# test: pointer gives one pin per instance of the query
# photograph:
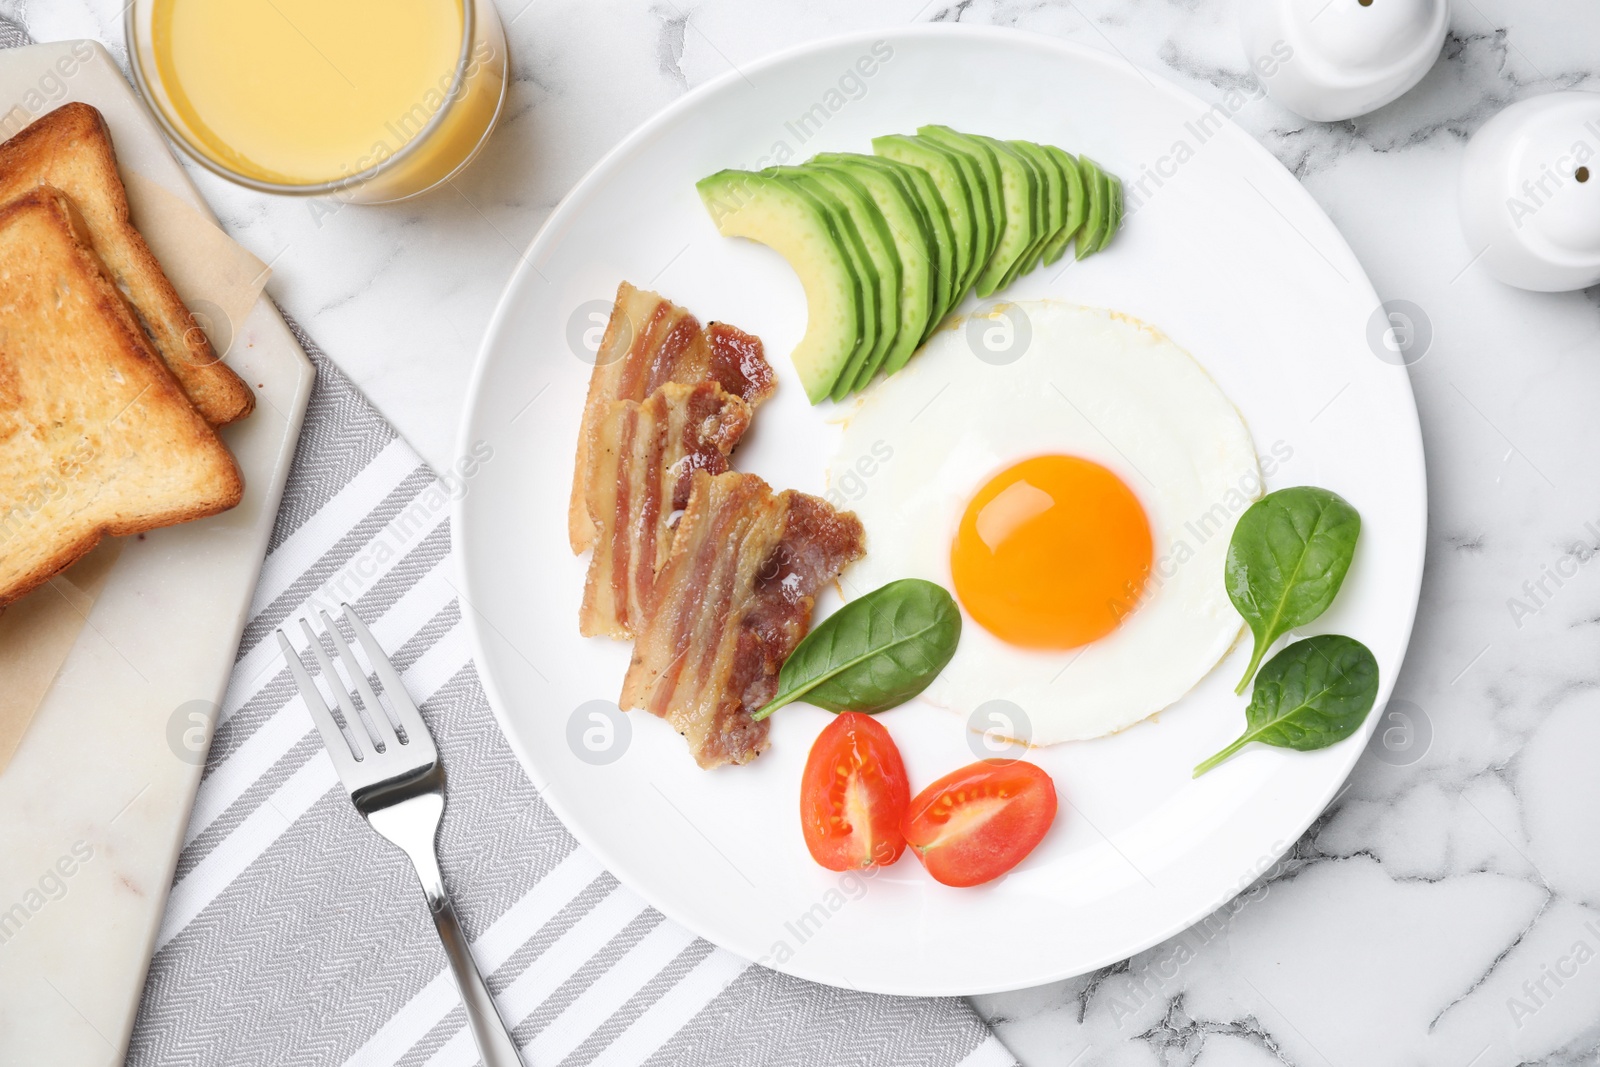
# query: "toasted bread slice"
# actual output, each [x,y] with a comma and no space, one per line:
[70,149]
[96,437]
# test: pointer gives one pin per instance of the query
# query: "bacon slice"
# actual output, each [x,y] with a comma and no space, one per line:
[646,453]
[733,600]
[650,341]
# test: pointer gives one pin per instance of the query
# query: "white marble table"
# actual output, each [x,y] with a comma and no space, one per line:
[1444,912]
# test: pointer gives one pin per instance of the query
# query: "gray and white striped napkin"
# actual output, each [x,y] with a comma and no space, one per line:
[294,935]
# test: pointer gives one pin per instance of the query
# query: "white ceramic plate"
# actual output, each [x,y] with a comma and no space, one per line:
[1226,252]
[112,759]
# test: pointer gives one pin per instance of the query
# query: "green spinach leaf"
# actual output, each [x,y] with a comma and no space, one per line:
[1287,559]
[876,652]
[1313,694]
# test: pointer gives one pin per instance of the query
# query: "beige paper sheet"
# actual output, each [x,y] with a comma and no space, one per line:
[38,631]
[220,282]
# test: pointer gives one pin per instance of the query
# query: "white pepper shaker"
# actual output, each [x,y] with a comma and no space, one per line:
[1334,59]
[1530,192]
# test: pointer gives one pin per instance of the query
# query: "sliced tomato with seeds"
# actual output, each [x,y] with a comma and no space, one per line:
[975,824]
[853,795]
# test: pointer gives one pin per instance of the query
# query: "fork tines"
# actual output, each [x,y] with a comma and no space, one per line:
[372,743]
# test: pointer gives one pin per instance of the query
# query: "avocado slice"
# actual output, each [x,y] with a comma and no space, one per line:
[1075,199]
[936,216]
[882,255]
[1099,195]
[1113,211]
[1053,204]
[861,262]
[955,178]
[877,293]
[799,227]
[1018,191]
[1108,224]
[913,244]
[982,168]
[934,208]
[1024,217]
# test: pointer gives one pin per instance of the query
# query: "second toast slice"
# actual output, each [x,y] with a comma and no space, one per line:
[70,149]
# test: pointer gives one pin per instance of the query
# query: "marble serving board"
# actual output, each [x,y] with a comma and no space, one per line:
[94,802]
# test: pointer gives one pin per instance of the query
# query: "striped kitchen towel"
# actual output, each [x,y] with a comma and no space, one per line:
[294,935]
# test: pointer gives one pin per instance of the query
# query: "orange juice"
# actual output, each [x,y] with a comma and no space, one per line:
[303,93]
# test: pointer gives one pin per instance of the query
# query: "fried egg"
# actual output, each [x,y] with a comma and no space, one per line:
[1073,477]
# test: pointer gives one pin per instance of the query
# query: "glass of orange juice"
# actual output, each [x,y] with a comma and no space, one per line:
[366,100]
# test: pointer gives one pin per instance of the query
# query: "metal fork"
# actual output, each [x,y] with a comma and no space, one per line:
[395,780]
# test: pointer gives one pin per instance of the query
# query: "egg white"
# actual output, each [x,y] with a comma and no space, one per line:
[1080,381]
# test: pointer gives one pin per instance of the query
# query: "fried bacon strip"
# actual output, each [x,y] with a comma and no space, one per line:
[733,600]
[650,341]
[642,465]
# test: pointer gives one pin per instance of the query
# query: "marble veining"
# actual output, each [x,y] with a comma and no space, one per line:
[1445,909]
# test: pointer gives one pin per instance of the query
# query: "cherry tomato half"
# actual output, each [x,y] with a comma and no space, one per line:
[979,822]
[853,795]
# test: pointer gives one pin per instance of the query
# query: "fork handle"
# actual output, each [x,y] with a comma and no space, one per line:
[488,1029]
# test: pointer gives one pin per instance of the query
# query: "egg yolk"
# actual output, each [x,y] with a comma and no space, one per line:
[1052,553]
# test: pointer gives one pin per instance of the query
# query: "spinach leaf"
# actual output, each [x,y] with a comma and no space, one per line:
[1287,559]
[1313,694]
[876,652]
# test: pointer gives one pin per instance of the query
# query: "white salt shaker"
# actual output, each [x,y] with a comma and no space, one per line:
[1530,203]
[1334,59]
